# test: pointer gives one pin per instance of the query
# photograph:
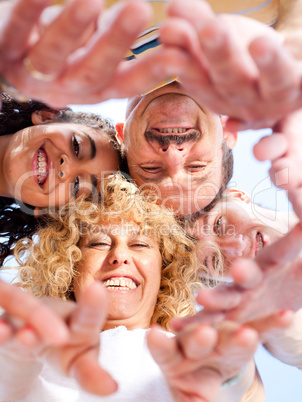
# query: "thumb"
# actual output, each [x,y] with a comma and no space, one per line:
[90,315]
[282,251]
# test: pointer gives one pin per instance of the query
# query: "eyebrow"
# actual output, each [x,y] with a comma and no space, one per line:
[94,182]
[92,146]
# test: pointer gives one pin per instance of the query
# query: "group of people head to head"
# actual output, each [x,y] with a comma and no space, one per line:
[142,209]
[170,144]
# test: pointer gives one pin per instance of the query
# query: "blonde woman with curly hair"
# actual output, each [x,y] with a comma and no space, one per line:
[134,248]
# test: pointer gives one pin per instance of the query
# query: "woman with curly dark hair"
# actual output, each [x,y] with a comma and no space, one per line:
[47,156]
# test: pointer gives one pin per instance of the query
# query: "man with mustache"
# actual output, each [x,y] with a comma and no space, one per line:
[177,146]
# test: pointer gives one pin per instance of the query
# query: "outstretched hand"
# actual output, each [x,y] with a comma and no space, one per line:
[38,322]
[241,68]
[266,285]
[199,359]
[78,58]
[63,332]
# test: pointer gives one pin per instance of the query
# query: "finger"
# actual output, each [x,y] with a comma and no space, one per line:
[271,147]
[123,24]
[229,65]
[234,125]
[63,36]
[90,315]
[24,15]
[246,273]
[139,76]
[5,332]
[197,340]
[282,251]
[91,376]
[279,78]
[295,197]
[237,341]
[207,384]
[32,311]
[204,316]
[222,297]
[164,350]
[274,322]
[176,32]
[284,174]
[27,337]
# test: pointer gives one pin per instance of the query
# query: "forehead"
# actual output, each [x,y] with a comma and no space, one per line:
[121,229]
[67,129]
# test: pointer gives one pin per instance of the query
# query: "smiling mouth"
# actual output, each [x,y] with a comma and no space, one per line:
[41,169]
[259,242]
[120,284]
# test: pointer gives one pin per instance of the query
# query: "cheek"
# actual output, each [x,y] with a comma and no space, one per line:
[87,271]
[107,162]
[60,195]
[156,266]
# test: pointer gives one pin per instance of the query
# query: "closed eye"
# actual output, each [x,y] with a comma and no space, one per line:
[98,244]
[195,168]
[140,245]
[151,169]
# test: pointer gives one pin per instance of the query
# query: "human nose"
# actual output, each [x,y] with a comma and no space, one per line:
[65,167]
[235,246]
[173,156]
[119,255]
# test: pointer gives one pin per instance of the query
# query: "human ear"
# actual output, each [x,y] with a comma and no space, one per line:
[43,116]
[234,193]
[119,132]
[229,136]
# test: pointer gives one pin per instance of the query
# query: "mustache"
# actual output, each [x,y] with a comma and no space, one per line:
[177,139]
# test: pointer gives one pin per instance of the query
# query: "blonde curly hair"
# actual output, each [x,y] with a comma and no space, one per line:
[48,263]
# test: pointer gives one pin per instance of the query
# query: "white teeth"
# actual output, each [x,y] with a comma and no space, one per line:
[122,284]
[41,165]
[176,130]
